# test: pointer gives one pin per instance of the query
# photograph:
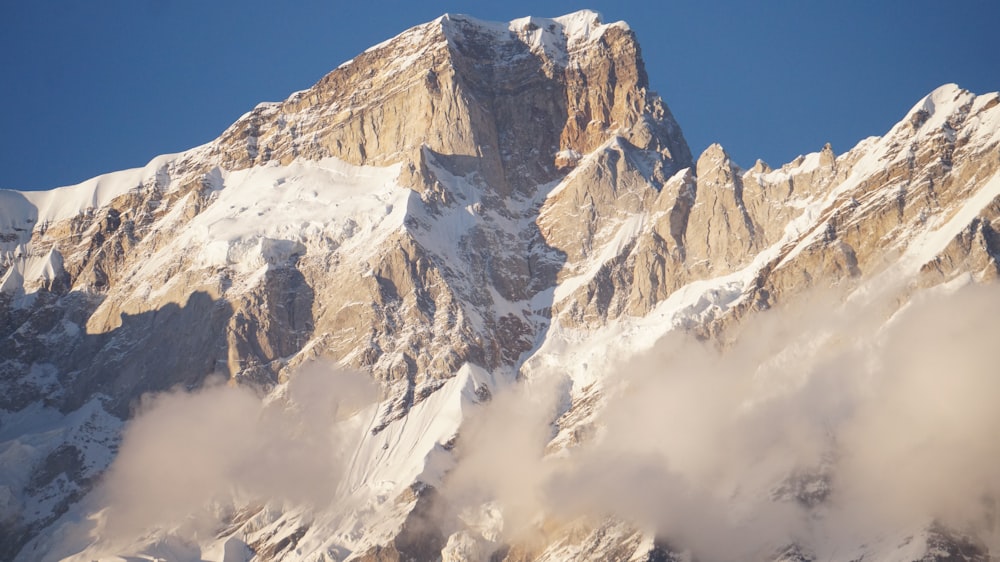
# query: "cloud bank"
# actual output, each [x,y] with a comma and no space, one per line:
[823,424]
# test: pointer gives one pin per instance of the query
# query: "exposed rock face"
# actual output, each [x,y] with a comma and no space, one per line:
[510,98]
[817,219]
[431,212]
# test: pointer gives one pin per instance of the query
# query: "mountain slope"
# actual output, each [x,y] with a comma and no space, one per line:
[464,210]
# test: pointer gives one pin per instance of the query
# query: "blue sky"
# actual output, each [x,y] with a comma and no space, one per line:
[92,87]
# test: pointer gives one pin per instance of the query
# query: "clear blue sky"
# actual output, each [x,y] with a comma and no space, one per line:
[91,87]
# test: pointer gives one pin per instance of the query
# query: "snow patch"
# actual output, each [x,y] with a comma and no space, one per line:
[930,243]
[28,436]
[938,106]
[624,234]
[29,273]
[312,207]
[67,202]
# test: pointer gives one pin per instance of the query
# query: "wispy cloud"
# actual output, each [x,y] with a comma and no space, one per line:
[188,456]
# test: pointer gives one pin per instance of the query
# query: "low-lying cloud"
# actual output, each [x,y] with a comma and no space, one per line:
[188,456]
[822,424]
[923,439]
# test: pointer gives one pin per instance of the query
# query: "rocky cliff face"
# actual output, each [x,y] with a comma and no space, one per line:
[459,208]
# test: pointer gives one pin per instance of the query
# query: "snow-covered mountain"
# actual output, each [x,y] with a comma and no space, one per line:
[575,342]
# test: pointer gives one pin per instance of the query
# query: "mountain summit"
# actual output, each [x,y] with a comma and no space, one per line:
[517,97]
[498,224]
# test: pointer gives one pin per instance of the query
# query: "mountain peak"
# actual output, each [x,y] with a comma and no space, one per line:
[512,95]
[713,156]
[551,38]
[578,25]
[933,110]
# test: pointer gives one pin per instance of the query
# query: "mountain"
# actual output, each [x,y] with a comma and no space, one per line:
[503,229]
